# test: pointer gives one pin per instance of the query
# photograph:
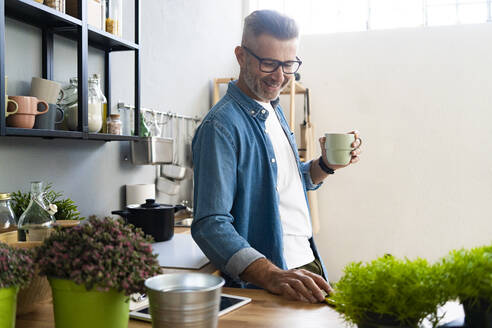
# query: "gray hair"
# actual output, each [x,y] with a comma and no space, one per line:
[269,22]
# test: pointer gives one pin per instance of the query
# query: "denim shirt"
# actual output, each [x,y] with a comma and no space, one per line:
[236,213]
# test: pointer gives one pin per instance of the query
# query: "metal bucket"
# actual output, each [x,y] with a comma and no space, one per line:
[184,300]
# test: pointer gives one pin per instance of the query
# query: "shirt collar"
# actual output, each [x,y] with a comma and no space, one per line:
[250,106]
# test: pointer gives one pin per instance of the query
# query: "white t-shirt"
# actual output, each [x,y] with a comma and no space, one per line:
[294,213]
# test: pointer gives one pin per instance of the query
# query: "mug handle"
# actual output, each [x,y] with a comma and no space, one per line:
[46,106]
[58,108]
[16,107]
[360,143]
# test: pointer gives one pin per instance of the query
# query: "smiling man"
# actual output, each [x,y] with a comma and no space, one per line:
[251,216]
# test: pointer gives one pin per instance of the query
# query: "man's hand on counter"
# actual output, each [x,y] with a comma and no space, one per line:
[293,284]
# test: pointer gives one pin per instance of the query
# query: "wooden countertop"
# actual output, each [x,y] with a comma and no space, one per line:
[265,310]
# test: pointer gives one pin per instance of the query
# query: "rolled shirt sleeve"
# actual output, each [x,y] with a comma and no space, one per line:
[306,174]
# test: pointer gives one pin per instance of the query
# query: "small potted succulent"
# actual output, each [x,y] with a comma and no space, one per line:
[93,268]
[16,270]
[389,292]
[470,280]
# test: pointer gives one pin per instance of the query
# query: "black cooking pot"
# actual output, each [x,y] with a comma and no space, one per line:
[154,219]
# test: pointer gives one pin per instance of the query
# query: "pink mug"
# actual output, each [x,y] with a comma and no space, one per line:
[26,112]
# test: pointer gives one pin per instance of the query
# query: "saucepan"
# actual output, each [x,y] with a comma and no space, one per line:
[154,219]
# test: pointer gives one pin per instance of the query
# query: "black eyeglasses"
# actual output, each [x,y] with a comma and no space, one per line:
[269,65]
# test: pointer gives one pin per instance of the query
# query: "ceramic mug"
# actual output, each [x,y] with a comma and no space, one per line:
[7,101]
[13,109]
[47,90]
[339,147]
[26,111]
[47,121]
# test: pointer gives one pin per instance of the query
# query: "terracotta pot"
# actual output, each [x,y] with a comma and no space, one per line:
[27,111]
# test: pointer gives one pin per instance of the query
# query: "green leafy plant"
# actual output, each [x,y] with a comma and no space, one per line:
[16,266]
[101,254]
[403,291]
[470,274]
[67,210]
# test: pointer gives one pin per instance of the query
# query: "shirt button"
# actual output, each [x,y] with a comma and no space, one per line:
[273,160]
[263,111]
[252,112]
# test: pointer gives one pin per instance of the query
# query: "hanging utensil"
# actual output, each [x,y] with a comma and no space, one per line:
[175,171]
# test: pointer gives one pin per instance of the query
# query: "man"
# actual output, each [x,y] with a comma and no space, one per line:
[250,205]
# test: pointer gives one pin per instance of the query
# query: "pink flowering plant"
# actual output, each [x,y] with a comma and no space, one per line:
[101,254]
[16,266]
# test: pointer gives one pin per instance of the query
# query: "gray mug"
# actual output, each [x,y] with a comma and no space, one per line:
[47,121]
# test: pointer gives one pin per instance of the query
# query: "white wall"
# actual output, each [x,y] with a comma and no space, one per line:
[421,100]
[184,45]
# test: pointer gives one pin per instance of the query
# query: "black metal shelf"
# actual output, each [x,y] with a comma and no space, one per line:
[33,13]
[51,22]
[110,137]
[50,134]
[36,14]
[18,132]
[107,41]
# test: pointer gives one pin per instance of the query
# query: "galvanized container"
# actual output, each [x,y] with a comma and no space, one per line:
[152,151]
[186,300]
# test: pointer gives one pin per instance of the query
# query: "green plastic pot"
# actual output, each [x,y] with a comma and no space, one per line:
[8,302]
[76,307]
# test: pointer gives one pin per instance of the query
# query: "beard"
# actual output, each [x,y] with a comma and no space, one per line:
[261,86]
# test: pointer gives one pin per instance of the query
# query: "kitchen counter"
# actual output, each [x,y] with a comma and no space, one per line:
[265,310]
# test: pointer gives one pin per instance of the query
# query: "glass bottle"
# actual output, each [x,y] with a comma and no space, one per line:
[7,216]
[36,220]
[96,104]
[114,24]
[115,125]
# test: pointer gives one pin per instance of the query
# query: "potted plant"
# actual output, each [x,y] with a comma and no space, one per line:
[16,269]
[389,292]
[66,208]
[470,280]
[93,268]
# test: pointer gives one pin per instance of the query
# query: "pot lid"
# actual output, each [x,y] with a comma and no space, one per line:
[149,204]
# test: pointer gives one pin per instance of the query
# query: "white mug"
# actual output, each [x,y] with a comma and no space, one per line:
[47,90]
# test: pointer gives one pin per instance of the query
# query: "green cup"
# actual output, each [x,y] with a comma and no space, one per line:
[339,147]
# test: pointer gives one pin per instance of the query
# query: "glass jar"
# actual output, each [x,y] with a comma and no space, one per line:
[37,219]
[69,104]
[114,21]
[70,94]
[56,4]
[7,216]
[115,125]
[96,104]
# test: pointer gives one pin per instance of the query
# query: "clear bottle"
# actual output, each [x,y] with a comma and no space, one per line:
[115,125]
[114,22]
[96,104]
[37,219]
[7,216]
